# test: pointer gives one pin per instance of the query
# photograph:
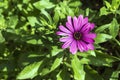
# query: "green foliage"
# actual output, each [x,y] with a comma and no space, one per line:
[30,48]
[29,71]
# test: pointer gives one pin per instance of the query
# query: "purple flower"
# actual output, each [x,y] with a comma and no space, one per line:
[77,35]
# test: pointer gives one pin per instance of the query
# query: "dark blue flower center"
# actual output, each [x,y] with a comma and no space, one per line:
[77,35]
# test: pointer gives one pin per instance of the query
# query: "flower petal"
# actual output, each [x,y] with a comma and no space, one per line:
[85,21]
[92,25]
[67,43]
[80,21]
[90,46]
[75,22]
[90,35]
[62,28]
[62,33]
[86,28]
[87,40]
[82,46]
[64,39]
[69,26]
[73,47]
[69,18]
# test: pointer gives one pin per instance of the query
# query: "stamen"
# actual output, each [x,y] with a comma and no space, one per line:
[77,35]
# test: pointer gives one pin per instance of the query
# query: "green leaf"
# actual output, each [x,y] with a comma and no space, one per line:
[115,75]
[29,71]
[12,22]
[32,41]
[102,38]
[78,69]
[75,4]
[63,74]
[108,5]
[47,15]
[55,50]
[43,4]
[32,20]
[56,17]
[114,28]
[57,62]
[102,28]
[104,11]
[115,4]
[2,22]
[2,39]
[91,74]
[102,59]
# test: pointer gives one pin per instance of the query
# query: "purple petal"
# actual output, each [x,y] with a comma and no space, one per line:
[90,46]
[90,35]
[80,21]
[67,43]
[62,28]
[69,18]
[73,47]
[85,21]
[69,26]
[64,39]
[88,40]
[92,25]
[82,46]
[86,28]
[62,33]
[75,22]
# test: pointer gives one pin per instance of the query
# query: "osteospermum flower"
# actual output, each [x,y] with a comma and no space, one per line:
[77,35]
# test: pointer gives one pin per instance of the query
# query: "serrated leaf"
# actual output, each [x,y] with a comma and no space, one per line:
[102,38]
[114,28]
[29,71]
[43,4]
[78,69]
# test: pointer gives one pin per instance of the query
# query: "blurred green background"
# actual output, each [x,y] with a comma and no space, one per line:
[30,48]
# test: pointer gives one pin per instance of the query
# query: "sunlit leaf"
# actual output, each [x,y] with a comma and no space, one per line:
[43,4]
[78,69]
[57,62]
[102,38]
[102,28]
[29,71]
[32,20]
[114,28]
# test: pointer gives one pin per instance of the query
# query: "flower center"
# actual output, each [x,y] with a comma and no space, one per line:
[77,35]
